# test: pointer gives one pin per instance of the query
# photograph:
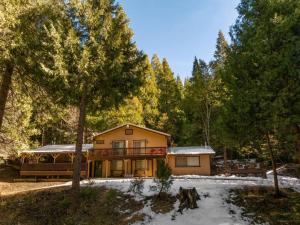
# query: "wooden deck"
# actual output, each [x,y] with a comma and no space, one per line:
[50,169]
[250,171]
[127,153]
[247,169]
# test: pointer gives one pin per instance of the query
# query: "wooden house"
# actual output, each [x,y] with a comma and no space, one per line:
[128,150]
[124,151]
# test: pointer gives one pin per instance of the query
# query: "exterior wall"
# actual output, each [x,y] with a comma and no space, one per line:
[203,169]
[152,139]
[129,168]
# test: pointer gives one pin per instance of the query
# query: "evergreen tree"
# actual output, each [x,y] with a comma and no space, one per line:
[199,100]
[262,77]
[149,95]
[163,178]
[170,98]
[93,61]
[220,52]
[22,34]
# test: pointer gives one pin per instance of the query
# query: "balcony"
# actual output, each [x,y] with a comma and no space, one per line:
[147,152]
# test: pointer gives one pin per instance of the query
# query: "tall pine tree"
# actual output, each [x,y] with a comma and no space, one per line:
[93,61]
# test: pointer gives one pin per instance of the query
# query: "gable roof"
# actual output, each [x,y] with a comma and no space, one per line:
[191,150]
[133,125]
[58,149]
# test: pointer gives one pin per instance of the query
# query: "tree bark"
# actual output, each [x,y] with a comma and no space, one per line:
[274,167]
[188,198]
[5,86]
[79,142]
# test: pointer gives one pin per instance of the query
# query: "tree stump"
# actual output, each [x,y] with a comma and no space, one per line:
[188,198]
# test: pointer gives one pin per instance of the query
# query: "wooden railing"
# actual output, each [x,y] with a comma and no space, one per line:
[50,167]
[128,152]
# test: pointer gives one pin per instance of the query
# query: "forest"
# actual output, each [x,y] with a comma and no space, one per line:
[70,70]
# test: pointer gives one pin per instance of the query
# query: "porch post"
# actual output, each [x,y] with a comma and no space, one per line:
[125,167]
[145,167]
[54,156]
[106,168]
[88,169]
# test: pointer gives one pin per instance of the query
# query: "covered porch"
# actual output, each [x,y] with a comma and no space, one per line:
[105,168]
[52,161]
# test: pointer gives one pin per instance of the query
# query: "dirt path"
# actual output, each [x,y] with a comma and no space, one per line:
[7,188]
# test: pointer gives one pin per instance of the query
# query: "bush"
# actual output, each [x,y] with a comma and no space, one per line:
[137,186]
[88,193]
[163,179]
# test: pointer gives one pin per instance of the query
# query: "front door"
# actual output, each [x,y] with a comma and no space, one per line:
[98,169]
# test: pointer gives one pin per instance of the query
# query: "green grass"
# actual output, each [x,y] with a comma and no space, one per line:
[260,204]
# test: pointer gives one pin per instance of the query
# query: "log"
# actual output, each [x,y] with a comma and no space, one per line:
[188,198]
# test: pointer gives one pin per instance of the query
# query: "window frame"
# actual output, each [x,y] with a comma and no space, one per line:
[124,144]
[128,131]
[141,140]
[179,166]
[116,161]
[147,164]
[99,142]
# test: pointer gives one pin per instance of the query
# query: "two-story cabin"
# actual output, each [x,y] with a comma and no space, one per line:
[124,151]
[127,150]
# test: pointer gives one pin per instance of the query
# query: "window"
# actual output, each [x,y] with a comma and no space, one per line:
[118,144]
[117,165]
[128,131]
[140,164]
[139,144]
[99,141]
[187,161]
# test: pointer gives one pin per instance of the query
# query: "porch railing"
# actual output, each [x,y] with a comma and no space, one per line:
[50,167]
[112,152]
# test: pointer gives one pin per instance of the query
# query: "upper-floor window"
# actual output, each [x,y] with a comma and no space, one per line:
[118,144]
[139,146]
[139,143]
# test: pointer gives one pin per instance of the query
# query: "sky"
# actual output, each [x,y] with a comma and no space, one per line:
[179,30]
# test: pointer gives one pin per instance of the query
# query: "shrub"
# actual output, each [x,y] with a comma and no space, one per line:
[111,195]
[137,186]
[163,179]
[88,193]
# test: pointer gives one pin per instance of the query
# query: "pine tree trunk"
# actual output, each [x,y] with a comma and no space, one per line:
[276,186]
[79,142]
[5,86]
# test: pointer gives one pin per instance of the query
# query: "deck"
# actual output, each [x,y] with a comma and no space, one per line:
[127,153]
[50,169]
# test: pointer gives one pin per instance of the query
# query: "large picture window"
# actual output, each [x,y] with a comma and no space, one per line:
[117,165]
[187,161]
[141,164]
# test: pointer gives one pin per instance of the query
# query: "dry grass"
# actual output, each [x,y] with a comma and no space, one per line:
[57,206]
[9,187]
[260,204]
[164,204]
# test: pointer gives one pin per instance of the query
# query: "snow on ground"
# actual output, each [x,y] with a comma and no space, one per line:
[213,210]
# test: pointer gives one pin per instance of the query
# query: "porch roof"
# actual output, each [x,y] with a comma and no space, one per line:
[58,149]
[191,150]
